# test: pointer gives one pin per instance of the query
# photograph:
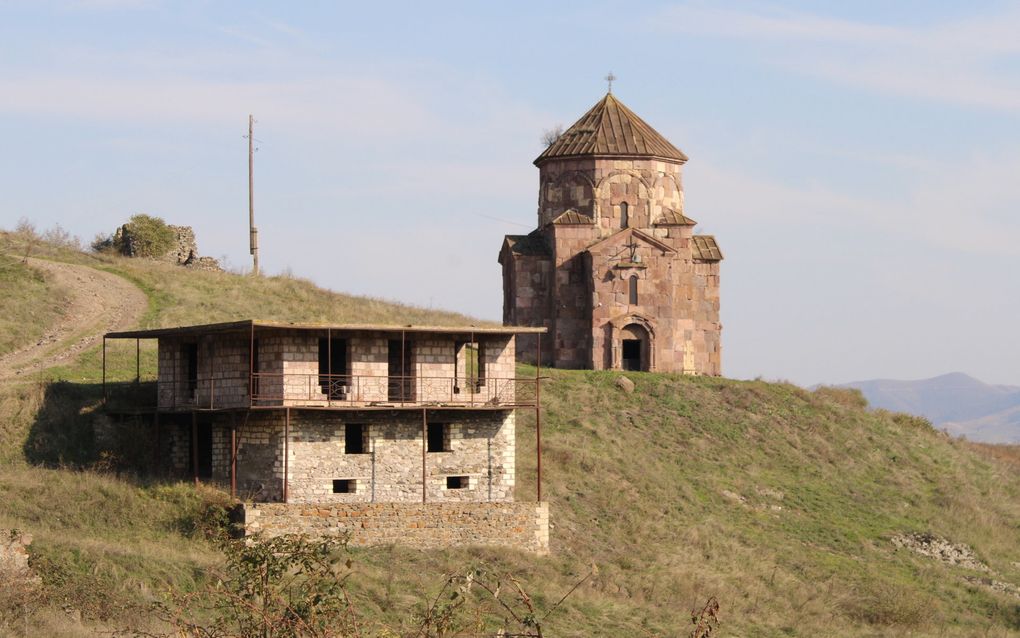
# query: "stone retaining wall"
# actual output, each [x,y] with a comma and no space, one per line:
[522,526]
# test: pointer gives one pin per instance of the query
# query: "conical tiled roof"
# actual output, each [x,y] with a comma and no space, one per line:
[610,128]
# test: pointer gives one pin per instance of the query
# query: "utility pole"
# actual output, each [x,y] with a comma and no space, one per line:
[253,233]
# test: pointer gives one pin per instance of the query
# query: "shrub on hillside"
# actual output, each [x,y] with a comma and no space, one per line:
[102,243]
[847,397]
[144,236]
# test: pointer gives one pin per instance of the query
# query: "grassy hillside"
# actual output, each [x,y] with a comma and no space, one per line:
[30,303]
[781,503]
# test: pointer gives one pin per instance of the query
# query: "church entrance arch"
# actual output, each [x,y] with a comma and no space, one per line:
[635,348]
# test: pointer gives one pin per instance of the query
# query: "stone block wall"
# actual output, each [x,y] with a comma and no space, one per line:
[522,526]
[479,446]
[587,305]
[289,368]
[222,372]
[527,280]
[597,186]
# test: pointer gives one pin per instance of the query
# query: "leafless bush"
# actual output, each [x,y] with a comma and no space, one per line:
[60,238]
[705,621]
[455,611]
[26,235]
[550,136]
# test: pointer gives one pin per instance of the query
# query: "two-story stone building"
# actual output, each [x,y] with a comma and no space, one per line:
[339,423]
[614,269]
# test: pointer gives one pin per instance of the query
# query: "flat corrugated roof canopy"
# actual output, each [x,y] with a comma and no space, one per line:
[250,324]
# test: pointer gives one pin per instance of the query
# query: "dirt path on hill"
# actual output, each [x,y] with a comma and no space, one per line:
[95,302]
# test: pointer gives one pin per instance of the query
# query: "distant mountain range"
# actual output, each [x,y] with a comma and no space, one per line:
[955,402]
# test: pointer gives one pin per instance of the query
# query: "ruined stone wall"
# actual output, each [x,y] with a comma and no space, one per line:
[183,252]
[14,568]
[522,526]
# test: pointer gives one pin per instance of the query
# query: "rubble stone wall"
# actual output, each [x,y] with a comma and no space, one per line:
[523,526]
[14,557]
[478,446]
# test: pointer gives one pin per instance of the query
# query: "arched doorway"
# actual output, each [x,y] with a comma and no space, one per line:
[634,348]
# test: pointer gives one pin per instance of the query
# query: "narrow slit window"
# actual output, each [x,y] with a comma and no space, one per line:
[345,486]
[190,355]
[457,482]
[438,440]
[632,285]
[624,215]
[354,438]
[255,367]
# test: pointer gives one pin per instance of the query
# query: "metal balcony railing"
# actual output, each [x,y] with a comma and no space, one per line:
[323,391]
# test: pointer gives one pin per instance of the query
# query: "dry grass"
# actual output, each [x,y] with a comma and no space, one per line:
[30,304]
[777,501]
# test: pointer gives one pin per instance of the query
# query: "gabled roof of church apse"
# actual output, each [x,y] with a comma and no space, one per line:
[610,128]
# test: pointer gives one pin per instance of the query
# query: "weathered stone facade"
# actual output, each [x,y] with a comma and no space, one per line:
[614,270]
[523,526]
[212,371]
[478,446]
[333,421]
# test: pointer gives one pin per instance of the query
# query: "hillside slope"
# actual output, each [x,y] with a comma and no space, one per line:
[781,503]
[91,302]
[31,302]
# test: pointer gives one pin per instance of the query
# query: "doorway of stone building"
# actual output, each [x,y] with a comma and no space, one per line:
[401,371]
[634,348]
[203,451]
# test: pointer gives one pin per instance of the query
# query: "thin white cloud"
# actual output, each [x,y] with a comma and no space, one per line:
[967,215]
[957,62]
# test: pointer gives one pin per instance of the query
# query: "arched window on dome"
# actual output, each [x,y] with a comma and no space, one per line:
[624,215]
[632,284]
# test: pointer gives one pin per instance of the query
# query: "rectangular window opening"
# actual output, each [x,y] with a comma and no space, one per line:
[400,367]
[469,362]
[354,438]
[333,367]
[457,482]
[190,355]
[439,436]
[345,486]
[255,367]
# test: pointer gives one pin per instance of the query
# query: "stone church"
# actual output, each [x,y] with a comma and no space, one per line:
[614,269]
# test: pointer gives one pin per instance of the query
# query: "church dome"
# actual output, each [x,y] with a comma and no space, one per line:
[612,129]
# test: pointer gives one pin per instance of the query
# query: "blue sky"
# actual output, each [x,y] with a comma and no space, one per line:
[858,162]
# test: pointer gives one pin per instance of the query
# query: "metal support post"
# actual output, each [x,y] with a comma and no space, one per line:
[424,448]
[286,452]
[538,419]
